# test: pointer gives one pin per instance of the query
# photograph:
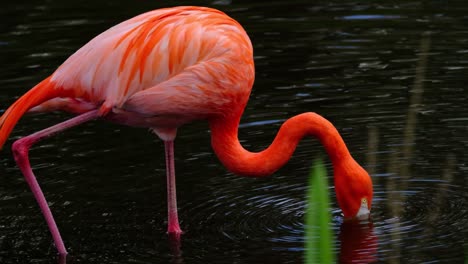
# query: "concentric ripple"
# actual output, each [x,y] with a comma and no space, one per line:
[402,223]
[237,217]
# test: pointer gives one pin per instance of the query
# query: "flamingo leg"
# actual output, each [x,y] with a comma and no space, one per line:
[21,153]
[173,227]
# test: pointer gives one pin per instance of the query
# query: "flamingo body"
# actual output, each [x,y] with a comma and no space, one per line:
[164,63]
[165,68]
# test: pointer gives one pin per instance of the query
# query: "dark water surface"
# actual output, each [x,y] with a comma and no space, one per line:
[392,77]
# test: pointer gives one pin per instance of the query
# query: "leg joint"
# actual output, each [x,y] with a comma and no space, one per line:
[20,147]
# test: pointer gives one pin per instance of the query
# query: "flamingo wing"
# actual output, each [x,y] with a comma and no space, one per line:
[176,59]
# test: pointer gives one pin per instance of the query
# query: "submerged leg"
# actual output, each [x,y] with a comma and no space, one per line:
[20,152]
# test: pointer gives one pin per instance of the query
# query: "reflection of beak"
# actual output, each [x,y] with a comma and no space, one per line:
[364,211]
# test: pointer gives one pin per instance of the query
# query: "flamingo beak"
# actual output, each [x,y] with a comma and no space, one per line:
[364,211]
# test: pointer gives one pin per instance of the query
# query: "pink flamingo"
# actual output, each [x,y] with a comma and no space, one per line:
[163,69]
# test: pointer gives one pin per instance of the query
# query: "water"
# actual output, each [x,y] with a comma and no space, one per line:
[358,64]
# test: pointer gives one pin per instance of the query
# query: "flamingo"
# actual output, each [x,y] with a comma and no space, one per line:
[163,69]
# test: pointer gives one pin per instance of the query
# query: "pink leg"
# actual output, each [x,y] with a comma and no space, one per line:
[173,227]
[20,152]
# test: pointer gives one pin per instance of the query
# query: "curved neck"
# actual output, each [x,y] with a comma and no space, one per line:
[238,160]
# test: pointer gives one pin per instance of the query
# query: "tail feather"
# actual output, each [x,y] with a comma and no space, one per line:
[37,95]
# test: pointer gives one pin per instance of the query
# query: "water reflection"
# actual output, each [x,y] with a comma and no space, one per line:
[371,17]
[175,245]
[358,242]
[62,259]
[402,166]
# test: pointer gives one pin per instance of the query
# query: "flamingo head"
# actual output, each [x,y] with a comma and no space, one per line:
[353,187]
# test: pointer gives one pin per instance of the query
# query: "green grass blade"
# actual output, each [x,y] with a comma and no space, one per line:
[318,241]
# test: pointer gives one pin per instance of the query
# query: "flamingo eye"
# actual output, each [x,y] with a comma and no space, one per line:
[364,201]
